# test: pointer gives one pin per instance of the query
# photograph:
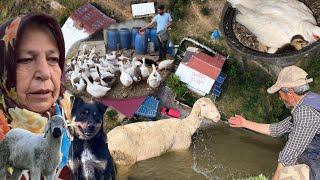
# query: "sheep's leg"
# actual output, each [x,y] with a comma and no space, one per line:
[35,174]
[26,175]
[50,176]
[58,174]
[16,175]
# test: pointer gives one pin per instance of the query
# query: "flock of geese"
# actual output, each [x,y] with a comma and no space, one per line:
[97,75]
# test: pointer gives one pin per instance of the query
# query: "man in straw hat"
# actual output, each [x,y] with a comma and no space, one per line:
[303,125]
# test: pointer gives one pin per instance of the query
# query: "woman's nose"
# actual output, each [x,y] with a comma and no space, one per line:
[42,68]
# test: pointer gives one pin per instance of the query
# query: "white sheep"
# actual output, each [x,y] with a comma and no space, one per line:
[39,153]
[143,140]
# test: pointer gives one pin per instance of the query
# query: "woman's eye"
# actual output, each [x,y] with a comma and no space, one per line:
[53,59]
[25,60]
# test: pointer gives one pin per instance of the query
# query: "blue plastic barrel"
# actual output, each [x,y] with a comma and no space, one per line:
[169,48]
[113,39]
[153,38]
[141,44]
[147,33]
[125,42]
[134,32]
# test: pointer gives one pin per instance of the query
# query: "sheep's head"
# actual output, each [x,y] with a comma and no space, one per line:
[207,109]
[55,126]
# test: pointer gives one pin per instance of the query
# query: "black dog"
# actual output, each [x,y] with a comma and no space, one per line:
[89,156]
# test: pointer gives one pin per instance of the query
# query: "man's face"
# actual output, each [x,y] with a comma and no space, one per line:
[286,98]
[160,11]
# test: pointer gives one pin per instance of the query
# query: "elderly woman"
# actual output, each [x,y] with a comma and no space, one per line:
[31,68]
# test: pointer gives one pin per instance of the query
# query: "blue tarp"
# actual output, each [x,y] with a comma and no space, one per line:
[148,108]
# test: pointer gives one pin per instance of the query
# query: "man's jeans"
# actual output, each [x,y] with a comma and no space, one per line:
[162,49]
[311,157]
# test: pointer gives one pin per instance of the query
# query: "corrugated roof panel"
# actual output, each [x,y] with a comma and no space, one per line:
[91,18]
[216,61]
[204,67]
[187,56]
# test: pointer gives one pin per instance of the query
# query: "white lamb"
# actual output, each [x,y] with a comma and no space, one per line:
[143,140]
[38,153]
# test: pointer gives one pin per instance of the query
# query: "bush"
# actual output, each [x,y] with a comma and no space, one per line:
[179,88]
[63,18]
[176,8]
[112,115]
[204,11]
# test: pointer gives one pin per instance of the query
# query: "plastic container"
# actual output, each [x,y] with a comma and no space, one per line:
[169,48]
[125,42]
[141,44]
[134,32]
[147,33]
[163,35]
[151,47]
[112,39]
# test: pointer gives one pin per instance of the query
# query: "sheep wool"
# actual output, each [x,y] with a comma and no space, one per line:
[143,140]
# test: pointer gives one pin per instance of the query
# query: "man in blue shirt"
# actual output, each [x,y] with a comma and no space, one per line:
[164,21]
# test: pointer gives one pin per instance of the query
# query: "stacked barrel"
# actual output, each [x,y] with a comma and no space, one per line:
[124,39]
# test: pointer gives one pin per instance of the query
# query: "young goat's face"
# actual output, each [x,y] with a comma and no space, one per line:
[88,118]
[55,126]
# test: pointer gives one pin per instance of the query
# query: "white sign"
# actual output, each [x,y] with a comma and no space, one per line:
[143,9]
[194,78]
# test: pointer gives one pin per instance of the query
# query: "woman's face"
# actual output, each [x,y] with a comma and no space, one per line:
[38,72]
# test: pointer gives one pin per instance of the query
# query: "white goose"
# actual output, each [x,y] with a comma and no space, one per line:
[93,51]
[95,90]
[84,48]
[75,75]
[275,22]
[80,86]
[111,56]
[163,65]
[154,79]
[130,70]
[144,70]
[125,78]
[94,74]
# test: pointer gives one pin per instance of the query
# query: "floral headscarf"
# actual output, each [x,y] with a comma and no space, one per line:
[11,114]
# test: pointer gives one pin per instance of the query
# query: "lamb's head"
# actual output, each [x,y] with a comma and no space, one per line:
[206,108]
[55,126]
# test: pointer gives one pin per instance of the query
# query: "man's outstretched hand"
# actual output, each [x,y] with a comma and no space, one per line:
[237,121]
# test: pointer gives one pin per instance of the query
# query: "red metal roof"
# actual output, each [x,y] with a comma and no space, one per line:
[126,106]
[207,65]
[204,68]
[90,18]
[216,61]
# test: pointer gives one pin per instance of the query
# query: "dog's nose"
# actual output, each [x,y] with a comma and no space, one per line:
[56,132]
[91,127]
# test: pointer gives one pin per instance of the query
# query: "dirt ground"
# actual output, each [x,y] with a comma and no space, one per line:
[250,41]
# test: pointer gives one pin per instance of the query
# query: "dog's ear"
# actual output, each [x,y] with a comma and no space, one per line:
[101,107]
[76,102]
